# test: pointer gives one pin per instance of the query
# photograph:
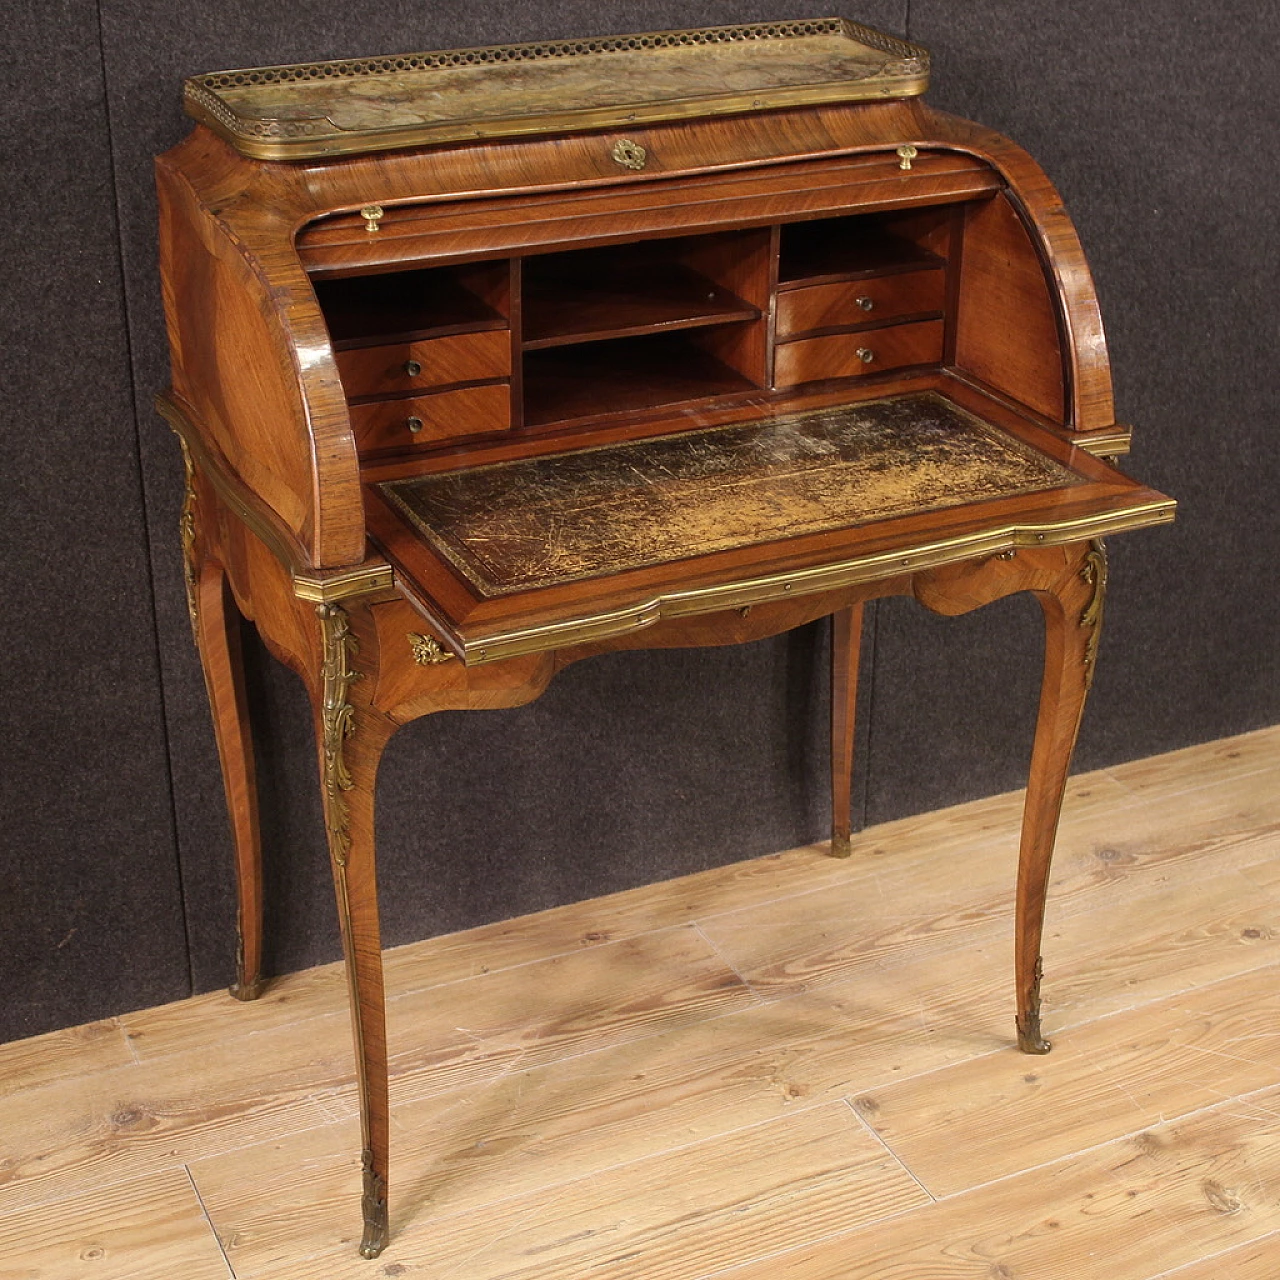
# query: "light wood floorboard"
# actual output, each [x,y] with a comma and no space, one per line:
[793,1067]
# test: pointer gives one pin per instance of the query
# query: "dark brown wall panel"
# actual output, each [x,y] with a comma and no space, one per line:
[90,909]
[1154,130]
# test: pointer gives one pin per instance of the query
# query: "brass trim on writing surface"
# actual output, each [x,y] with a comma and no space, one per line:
[256,110]
[824,577]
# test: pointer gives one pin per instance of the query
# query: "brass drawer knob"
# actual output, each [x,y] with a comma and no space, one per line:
[412,368]
[865,354]
[414,424]
[864,302]
[372,214]
[906,154]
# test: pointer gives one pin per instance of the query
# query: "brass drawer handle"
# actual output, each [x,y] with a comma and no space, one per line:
[864,302]
[414,424]
[372,215]
[412,368]
[865,354]
[906,154]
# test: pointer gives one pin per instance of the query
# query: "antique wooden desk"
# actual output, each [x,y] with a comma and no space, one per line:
[486,361]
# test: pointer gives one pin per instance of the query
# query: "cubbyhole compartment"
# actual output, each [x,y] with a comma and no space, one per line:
[591,295]
[858,245]
[407,305]
[621,375]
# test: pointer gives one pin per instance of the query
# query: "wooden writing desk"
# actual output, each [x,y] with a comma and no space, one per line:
[487,361]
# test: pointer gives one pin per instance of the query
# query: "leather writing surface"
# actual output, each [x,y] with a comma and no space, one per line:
[542,521]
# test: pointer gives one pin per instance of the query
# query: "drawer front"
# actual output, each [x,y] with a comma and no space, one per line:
[822,306]
[843,355]
[430,362]
[446,415]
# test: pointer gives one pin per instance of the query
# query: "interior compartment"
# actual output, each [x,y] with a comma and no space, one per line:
[618,375]
[594,294]
[862,244]
[429,302]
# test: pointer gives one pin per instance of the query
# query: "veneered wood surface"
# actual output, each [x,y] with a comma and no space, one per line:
[281,421]
[838,305]
[843,355]
[1007,323]
[463,357]
[462,412]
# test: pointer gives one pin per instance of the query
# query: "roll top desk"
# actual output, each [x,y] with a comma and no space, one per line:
[486,361]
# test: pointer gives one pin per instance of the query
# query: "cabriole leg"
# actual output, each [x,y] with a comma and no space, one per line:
[217,624]
[846,642]
[351,737]
[1073,620]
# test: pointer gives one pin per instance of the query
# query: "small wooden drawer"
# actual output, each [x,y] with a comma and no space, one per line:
[842,355]
[446,415]
[429,362]
[865,301]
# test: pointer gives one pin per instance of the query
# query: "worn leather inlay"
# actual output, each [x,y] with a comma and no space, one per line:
[538,522]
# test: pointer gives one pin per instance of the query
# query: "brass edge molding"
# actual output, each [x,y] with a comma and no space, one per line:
[338,721]
[427,650]
[313,585]
[342,584]
[228,486]
[1094,572]
[905,73]
[187,534]
[1110,444]
[783,586]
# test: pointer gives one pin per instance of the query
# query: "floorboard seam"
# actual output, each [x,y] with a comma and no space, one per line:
[204,1213]
[906,1168]
[733,968]
[1209,1257]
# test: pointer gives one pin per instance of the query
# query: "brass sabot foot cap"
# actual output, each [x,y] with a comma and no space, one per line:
[375,1234]
[1031,1041]
[247,990]
[841,846]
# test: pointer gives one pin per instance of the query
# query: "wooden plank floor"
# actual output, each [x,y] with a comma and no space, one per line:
[794,1068]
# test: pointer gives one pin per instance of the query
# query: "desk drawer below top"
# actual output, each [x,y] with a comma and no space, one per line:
[420,420]
[844,355]
[866,301]
[428,362]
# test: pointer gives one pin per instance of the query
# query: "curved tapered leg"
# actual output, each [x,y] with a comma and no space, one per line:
[351,737]
[846,643]
[1073,620]
[217,625]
